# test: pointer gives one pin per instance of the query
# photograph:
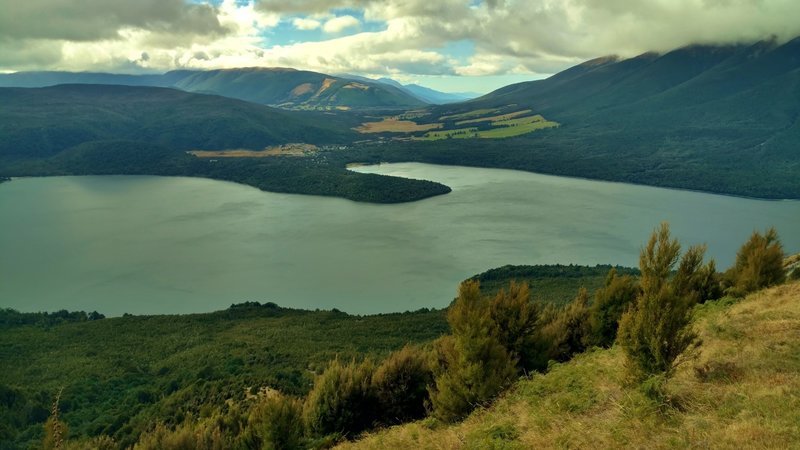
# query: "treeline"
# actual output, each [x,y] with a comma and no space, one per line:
[552,283]
[10,317]
[493,341]
[122,374]
[307,175]
[578,152]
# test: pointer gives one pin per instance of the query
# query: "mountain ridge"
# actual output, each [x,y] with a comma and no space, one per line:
[273,86]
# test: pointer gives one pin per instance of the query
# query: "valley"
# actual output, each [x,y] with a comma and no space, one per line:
[702,127]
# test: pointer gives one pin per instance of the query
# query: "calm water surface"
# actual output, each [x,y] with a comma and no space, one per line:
[177,245]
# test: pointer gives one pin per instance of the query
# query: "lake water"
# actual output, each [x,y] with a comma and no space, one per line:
[142,244]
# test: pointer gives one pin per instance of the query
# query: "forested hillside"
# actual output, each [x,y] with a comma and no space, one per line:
[121,375]
[714,118]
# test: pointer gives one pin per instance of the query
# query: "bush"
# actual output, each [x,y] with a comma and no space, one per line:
[694,279]
[609,303]
[515,320]
[759,264]
[203,435]
[567,331]
[475,366]
[401,386]
[342,400]
[656,330]
[276,422]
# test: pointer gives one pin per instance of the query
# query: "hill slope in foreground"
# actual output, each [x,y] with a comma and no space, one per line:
[739,389]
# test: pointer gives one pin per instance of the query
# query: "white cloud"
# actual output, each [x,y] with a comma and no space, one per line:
[306,24]
[338,24]
[508,36]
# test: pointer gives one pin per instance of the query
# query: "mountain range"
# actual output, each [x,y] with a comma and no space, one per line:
[281,87]
[423,93]
[714,118]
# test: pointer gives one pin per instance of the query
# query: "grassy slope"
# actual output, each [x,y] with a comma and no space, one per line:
[741,389]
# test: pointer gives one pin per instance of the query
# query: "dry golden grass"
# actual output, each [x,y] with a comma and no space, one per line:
[326,83]
[395,125]
[302,89]
[739,389]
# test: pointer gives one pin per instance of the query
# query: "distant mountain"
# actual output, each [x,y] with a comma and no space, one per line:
[429,95]
[42,122]
[285,88]
[437,97]
[422,93]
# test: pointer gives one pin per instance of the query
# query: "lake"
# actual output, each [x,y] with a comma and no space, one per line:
[152,245]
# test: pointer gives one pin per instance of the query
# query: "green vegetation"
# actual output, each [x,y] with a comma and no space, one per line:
[716,119]
[610,302]
[656,330]
[212,389]
[506,116]
[475,365]
[458,133]
[488,127]
[740,390]
[500,129]
[122,375]
[470,114]
[555,283]
[105,130]
[343,400]
[727,393]
[759,264]
[516,127]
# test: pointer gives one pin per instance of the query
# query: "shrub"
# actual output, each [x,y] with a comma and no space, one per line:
[567,331]
[609,303]
[759,264]
[204,435]
[475,366]
[342,400]
[515,320]
[656,330]
[401,385]
[276,422]
[694,279]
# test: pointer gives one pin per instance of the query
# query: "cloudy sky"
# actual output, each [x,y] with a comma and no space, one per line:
[451,45]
